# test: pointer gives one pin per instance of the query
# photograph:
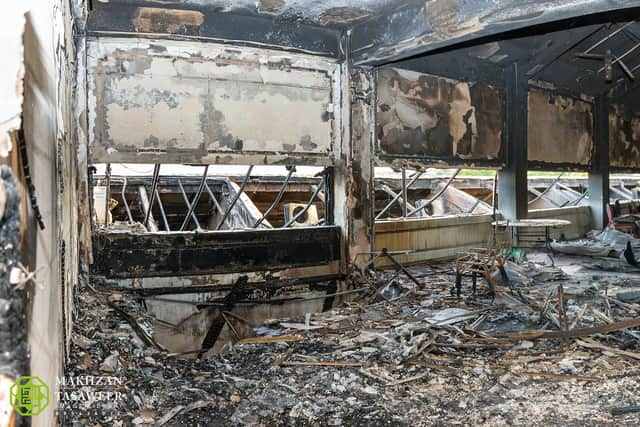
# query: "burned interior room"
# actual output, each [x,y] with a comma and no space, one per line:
[297,212]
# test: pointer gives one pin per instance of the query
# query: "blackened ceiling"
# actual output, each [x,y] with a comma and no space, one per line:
[569,60]
[381,31]
[331,13]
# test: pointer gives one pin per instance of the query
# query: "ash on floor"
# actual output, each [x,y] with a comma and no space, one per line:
[401,355]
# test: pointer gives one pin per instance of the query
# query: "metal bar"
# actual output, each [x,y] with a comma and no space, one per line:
[186,201]
[107,195]
[154,186]
[627,71]
[389,191]
[579,199]
[417,175]
[569,189]
[624,190]
[475,205]
[619,58]
[404,192]
[306,208]
[440,193]
[400,267]
[196,198]
[539,196]
[162,212]
[548,59]
[146,207]
[620,193]
[124,200]
[278,198]
[609,36]
[213,198]
[546,190]
[235,199]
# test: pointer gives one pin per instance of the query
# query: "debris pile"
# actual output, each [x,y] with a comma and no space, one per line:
[558,345]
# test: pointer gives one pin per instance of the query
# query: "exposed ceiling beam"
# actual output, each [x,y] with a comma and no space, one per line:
[436,24]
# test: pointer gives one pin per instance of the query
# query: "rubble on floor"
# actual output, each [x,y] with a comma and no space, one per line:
[560,346]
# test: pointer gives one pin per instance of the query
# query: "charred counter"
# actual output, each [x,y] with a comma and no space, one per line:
[129,254]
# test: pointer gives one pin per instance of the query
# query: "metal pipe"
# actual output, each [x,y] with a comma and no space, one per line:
[475,205]
[404,192]
[154,186]
[107,195]
[162,212]
[306,208]
[186,201]
[124,200]
[417,175]
[438,194]
[546,190]
[196,198]
[235,199]
[278,198]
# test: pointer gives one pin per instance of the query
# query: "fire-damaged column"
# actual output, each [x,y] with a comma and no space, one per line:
[599,174]
[361,218]
[354,170]
[512,188]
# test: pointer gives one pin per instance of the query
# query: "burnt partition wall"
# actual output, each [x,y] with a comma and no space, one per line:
[163,101]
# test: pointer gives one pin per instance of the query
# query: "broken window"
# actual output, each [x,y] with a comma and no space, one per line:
[173,198]
[402,194]
[557,189]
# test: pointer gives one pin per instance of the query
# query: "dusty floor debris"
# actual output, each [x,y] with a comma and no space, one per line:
[402,355]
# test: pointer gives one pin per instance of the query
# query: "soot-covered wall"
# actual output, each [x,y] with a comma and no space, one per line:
[171,101]
[437,120]
[560,130]
[624,139]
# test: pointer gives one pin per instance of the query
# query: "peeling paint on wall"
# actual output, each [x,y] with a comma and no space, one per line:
[193,102]
[560,129]
[430,117]
[624,139]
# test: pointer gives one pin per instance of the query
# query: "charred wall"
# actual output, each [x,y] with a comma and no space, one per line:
[560,130]
[624,139]
[190,102]
[433,119]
